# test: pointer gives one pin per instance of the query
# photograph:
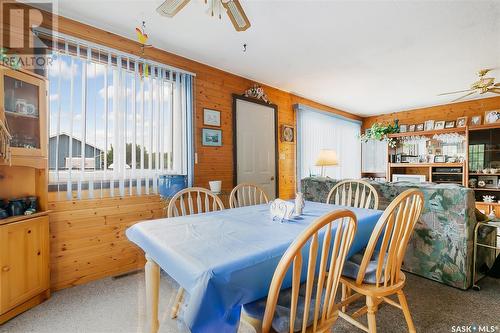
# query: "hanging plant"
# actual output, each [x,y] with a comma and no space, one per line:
[380,132]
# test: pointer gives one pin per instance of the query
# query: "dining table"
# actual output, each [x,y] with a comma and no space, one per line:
[225,259]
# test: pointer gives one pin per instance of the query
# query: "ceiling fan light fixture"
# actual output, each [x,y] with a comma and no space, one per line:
[171,7]
[236,15]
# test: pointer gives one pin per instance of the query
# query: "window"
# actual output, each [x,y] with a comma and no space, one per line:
[318,130]
[116,122]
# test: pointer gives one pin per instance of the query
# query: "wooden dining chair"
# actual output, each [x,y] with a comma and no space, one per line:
[192,200]
[353,193]
[246,194]
[314,308]
[377,274]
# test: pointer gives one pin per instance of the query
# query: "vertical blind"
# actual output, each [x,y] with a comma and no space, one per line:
[116,122]
[318,130]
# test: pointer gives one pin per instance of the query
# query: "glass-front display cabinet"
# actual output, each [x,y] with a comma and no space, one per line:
[484,164]
[23,110]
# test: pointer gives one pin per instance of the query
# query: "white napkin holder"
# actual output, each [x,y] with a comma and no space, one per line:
[282,210]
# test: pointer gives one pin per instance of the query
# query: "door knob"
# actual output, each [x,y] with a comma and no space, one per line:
[272,178]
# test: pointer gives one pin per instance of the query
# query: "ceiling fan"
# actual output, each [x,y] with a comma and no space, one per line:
[233,9]
[482,86]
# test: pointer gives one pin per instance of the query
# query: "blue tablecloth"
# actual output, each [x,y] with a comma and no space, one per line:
[227,258]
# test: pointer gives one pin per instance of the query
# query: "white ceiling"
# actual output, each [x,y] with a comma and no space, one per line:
[365,57]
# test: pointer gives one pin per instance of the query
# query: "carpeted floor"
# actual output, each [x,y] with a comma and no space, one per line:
[117,305]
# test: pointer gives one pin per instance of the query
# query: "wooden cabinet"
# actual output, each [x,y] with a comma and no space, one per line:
[24,262]
[23,99]
[24,240]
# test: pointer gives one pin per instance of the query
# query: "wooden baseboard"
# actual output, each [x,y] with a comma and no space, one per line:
[32,302]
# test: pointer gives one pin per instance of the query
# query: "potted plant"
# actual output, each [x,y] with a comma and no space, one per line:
[380,132]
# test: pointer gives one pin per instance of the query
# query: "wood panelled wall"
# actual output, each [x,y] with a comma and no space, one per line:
[87,236]
[213,89]
[439,112]
[88,241]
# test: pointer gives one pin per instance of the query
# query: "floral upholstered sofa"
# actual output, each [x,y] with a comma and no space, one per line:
[441,248]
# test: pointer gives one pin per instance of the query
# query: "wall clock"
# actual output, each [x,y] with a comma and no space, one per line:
[287,133]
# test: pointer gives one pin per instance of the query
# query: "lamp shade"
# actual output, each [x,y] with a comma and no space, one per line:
[327,157]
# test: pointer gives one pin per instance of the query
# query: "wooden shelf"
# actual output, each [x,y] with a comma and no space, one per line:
[424,165]
[20,115]
[486,189]
[484,127]
[448,173]
[19,218]
[483,174]
[488,203]
[424,133]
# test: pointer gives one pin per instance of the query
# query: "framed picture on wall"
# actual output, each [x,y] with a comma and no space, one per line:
[287,133]
[211,137]
[211,117]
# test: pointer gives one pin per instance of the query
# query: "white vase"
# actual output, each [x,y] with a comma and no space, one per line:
[299,203]
[215,186]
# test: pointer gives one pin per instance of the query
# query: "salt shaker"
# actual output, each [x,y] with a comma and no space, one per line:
[299,203]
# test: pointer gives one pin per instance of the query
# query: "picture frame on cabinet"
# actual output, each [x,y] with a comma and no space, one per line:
[429,125]
[439,125]
[475,121]
[462,121]
[420,127]
[403,128]
[492,117]
[411,128]
[449,124]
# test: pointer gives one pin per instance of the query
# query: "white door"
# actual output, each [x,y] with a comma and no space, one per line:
[255,145]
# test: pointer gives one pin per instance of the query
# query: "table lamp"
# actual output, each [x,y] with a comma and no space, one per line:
[325,158]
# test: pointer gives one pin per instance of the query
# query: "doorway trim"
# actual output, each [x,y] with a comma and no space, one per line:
[237,97]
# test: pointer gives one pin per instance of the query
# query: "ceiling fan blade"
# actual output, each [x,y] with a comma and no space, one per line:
[457,99]
[171,7]
[496,85]
[455,92]
[236,14]
[494,90]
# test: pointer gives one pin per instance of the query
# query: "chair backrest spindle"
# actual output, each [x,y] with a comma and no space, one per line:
[353,193]
[192,197]
[246,194]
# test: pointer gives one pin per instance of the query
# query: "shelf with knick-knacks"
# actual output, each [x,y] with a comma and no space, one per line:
[437,155]
[23,111]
